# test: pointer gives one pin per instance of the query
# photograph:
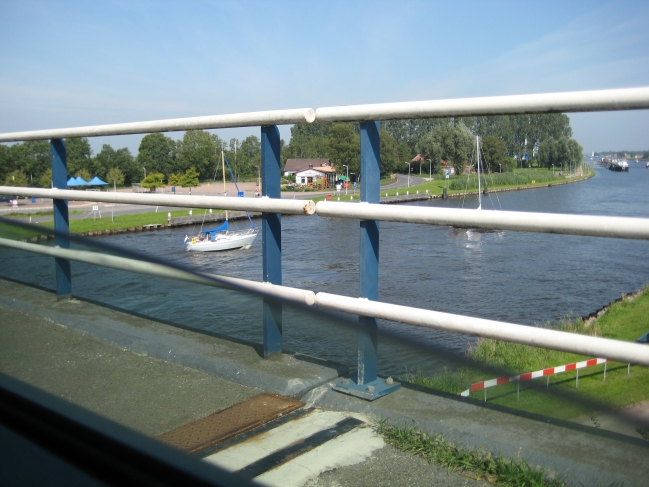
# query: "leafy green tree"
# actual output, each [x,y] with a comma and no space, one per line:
[309,140]
[576,151]
[430,146]
[547,155]
[83,173]
[495,154]
[45,181]
[79,155]
[153,181]
[190,179]
[174,179]
[344,147]
[32,158]
[455,143]
[389,154]
[156,154]
[201,150]
[115,176]
[250,156]
[7,163]
[16,178]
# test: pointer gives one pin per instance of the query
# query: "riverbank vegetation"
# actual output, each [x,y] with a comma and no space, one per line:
[509,142]
[99,224]
[625,320]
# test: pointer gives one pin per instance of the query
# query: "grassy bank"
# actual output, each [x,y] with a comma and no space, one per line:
[624,320]
[107,223]
[531,178]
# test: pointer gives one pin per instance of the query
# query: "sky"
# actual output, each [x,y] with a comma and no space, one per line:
[78,63]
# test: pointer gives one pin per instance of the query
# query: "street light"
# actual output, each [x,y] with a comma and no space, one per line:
[501,168]
[144,171]
[430,169]
[346,182]
[408,173]
[553,169]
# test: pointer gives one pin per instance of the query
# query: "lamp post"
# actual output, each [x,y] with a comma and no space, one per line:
[144,171]
[258,178]
[408,173]
[430,169]
[501,168]
[420,166]
[553,169]
[346,182]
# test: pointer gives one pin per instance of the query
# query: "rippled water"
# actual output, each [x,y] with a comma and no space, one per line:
[516,277]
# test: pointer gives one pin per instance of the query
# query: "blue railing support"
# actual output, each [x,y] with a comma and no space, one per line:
[271,234]
[61,217]
[366,384]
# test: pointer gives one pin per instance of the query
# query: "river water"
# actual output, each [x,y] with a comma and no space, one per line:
[516,277]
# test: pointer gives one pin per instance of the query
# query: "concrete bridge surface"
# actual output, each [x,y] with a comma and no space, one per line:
[275,421]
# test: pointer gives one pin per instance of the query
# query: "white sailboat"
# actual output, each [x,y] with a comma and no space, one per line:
[221,237]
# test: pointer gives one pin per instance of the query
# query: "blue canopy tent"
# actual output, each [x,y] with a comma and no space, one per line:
[96,182]
[79,181]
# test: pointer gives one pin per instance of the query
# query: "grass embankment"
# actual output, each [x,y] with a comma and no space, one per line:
[624,320]
[482,464]
[536,177]
[107,223]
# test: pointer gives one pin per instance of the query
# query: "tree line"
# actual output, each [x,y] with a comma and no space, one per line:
[545,136]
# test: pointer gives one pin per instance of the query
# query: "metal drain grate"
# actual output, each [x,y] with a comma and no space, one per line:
[225,424]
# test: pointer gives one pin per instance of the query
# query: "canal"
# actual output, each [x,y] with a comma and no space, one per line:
[522,278]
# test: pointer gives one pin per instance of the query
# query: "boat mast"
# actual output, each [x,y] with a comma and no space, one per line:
[477,147]
[223,170]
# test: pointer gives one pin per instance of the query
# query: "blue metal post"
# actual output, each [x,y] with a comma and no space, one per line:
[61,219]
[271,237]
[367,385]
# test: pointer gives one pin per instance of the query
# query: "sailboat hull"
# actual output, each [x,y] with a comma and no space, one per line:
[224,241]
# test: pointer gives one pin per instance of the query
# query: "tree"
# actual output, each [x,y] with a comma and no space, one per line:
[190,179]
[389,154]
[45,181]
[344,147]
[32,158]
[429,147]
[79,155]
[83,173]
[174,179]
[250,156]
[153,181]
[495,154]
[16,178]
[199,149]
[308,140]
[156,154]
[452,142]
[547,156]
[115,176]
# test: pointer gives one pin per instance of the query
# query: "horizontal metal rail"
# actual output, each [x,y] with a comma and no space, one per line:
[577,101]
[597,226]
[251,119]
[299,296]
[509,332]
[498,330]
[268,205]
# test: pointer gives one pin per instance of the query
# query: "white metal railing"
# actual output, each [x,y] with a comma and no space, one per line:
[598,226]
[299,296]
[526,335]
[578,101]
[584,101]
[252,119]
[272,205]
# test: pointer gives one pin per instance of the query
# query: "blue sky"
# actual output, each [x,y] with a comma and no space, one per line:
[74,63]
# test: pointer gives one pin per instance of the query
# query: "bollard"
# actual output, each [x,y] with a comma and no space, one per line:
[444,193]
[577,381]
[169,217]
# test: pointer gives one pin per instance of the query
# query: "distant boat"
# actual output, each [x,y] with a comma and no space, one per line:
[221,238]
[619,166]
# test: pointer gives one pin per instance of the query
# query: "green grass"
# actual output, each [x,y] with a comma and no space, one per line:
[39,213]
[519,178]
[624,321]
[122,221]
[483,465]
